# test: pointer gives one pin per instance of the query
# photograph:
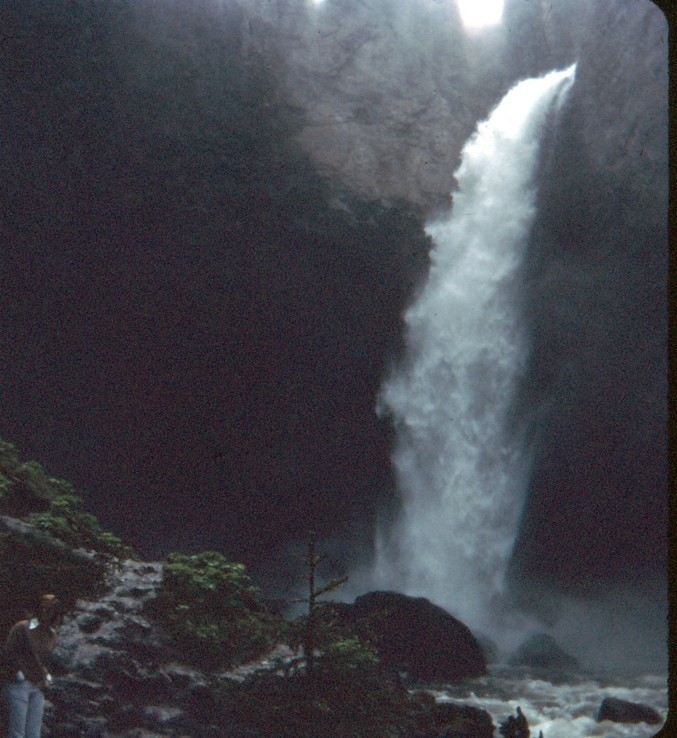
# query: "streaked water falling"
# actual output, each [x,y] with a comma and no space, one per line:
[461,464]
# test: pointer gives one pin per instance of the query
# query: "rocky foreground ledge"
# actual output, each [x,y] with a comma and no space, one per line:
[118,674]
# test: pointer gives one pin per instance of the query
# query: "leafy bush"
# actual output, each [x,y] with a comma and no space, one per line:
[66,521]
[348,695]
[213,609]
[51,506]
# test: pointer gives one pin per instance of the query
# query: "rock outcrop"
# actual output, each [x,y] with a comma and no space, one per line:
[113,669]
[413,635]
[541,651]
[622,711]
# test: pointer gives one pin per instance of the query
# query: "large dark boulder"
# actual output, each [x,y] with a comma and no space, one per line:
[463,721]
[415,636]
[622,711]
[449,720]
[542,652]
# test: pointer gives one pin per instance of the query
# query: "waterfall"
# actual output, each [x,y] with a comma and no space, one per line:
[462,465]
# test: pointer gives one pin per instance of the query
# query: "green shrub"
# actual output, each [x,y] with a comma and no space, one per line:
[51,506]
[66,521]
[348,695]
[213,610]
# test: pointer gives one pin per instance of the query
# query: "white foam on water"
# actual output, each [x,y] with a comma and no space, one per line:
[560,710]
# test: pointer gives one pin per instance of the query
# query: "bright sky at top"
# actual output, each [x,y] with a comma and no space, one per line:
[480,13]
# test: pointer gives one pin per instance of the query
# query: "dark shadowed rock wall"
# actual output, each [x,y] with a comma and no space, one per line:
[597,308]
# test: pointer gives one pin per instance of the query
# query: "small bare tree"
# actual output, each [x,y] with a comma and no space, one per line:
[310,631]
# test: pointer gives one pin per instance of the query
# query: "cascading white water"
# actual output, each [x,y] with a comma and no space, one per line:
[461,469]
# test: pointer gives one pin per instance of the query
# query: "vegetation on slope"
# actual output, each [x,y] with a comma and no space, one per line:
[47,541]
[213,610]
[347,695]
[52,506]
[214,613]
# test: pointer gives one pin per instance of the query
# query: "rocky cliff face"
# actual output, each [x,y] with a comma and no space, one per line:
[388,93]
[596,279]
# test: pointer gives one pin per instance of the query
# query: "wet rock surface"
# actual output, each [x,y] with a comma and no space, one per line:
[118,674]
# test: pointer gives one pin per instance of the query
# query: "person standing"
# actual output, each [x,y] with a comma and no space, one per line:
[27,651]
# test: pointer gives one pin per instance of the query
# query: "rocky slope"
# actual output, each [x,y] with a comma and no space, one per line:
[118,674]
[114,669]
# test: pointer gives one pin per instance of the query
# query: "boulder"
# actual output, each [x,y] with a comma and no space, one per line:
[415,636]
[542,651]
[515,726]
[622,711]
[463,721]
[449,720]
